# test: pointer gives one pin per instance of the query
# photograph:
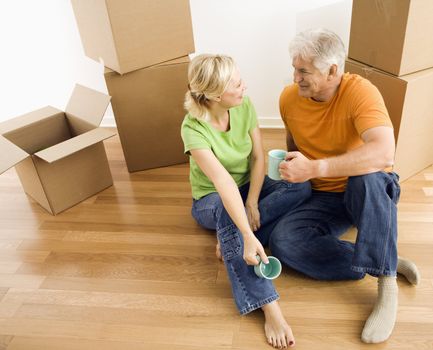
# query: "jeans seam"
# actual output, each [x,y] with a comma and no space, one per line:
[242,285]
[381,270]
[259,304]
[388,233]
[372,271]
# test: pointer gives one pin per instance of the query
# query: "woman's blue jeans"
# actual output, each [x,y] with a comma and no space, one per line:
[276,198]
[307,238]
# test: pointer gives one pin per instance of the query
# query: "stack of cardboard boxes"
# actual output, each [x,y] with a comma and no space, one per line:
[391,44]
[144,45]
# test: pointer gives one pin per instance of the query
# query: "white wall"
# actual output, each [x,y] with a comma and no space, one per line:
[42,58]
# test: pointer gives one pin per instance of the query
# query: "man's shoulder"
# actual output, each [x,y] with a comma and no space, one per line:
[357,83]
[290,92]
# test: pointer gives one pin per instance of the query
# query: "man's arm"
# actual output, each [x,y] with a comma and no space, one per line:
[377,153]
[291,146]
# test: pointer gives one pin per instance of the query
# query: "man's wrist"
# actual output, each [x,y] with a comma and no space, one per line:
[321,168]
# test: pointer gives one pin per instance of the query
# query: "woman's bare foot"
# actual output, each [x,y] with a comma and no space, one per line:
[218,252]
[277,331]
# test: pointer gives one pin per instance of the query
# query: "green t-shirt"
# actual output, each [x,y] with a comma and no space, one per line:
[232,148]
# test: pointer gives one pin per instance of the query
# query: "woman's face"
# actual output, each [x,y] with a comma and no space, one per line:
[234,92]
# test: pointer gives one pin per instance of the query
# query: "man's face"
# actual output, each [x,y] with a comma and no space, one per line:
[312,83]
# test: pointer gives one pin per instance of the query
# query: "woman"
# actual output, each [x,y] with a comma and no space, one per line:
[230,191]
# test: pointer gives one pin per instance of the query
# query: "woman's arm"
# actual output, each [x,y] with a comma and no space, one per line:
[257,167]
[232,200]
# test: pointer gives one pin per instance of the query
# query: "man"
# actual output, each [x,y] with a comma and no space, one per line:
[340,137]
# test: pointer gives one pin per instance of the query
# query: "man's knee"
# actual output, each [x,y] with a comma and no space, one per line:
[296,193]
[283,239]
[303,188]
[377,185]
[364,181]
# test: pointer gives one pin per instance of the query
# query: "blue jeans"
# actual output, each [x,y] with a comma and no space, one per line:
[276,198]
[307,238]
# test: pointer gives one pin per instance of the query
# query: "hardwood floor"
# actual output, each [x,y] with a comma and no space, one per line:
[130,269]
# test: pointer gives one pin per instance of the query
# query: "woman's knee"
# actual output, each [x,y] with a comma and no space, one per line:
[207,209]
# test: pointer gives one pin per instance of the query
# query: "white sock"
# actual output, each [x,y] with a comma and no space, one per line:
[380,323]
[409,270]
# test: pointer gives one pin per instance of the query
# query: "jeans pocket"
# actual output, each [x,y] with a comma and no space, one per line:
[230,243]
[393,190]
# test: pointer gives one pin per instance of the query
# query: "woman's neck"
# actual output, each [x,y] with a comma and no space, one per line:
[219,118]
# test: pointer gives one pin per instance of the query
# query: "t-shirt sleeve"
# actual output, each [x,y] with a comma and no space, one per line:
[283,104]
[369,109]
[193,138]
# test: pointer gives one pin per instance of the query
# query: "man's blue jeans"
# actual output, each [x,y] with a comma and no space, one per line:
[307,238]
[276,198]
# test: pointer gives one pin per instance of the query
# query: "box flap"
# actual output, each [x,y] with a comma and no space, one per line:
[27,119]
[183,59]
[87,104]
[75,144]
[10,154]
[180,60]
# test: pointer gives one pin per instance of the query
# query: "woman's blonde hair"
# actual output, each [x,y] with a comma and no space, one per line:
[208,77]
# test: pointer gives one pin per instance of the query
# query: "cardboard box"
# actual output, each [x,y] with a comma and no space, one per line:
[148,108]
[133,34]
[59,156]
[409,100]
[394,36]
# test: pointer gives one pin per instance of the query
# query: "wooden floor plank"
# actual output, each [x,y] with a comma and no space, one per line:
[129,268]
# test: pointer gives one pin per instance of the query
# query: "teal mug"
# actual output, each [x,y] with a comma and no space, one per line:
[275,157]
[269,271]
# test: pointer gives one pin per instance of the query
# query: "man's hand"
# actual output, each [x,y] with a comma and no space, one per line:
[298,168]
[253,215]
[252,248]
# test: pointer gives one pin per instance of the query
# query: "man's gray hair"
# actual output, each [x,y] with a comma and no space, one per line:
[321,47]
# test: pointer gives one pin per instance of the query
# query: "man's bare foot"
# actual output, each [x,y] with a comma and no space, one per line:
[278,332]
[218,252]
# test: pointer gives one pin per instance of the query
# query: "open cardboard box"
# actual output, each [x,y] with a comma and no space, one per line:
[59,156]
[132,34]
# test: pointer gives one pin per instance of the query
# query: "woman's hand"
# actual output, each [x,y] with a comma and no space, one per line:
[253,215]
[252,248]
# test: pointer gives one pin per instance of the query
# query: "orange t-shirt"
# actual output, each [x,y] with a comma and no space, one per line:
[328,129]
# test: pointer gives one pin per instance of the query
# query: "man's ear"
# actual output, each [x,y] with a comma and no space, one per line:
[332,71]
